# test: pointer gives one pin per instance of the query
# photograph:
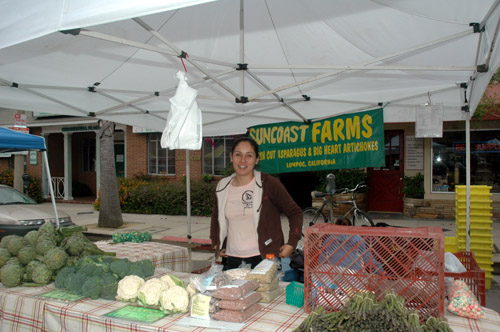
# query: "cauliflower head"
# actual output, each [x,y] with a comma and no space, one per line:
[128,288]
[175,300]
[149,293]
[172,280]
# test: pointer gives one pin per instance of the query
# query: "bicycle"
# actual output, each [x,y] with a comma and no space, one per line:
[314,215]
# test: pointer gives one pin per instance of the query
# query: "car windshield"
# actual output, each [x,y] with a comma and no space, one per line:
[9,195]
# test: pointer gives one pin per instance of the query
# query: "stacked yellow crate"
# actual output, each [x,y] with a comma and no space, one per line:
[481,239]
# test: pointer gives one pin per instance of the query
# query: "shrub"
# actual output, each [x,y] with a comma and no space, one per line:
[34,191]
[414,186]
[158,196]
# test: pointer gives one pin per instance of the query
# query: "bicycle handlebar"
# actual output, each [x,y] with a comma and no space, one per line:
[319,194]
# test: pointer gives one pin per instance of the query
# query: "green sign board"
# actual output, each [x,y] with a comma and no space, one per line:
[352,140]
[137,314]
[61,294]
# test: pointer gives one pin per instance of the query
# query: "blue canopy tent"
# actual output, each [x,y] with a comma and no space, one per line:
[13,141]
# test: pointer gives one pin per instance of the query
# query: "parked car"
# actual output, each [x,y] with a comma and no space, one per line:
[20,214]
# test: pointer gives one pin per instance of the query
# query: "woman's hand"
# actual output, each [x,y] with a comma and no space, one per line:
[286,250]
[222,253]
[218,253]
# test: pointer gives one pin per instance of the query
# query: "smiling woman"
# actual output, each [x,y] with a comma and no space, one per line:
[246,221]
[20,214]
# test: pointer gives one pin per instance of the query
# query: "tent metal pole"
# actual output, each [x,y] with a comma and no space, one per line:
[188,196]
[242,46]
[51,190]
[122,41]
[152,95]
[387,57]
[188,58]
[367,68]
[467,179]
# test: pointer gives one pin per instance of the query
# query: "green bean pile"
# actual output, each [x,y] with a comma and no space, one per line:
[363,312]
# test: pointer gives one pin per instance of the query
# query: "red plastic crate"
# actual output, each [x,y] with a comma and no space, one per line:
[342,260]
[473,277]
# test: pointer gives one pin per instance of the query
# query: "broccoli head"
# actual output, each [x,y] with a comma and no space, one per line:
[31,237]
[26,254]
[11,275]
[92,265]
[42,274]
[72,261]
[55,258]
[4,256]
[74,283]
[120,267]
[109,286]
[15,244]
[91,270]
[29,269]
[63,275]
[143,269]
[91,288]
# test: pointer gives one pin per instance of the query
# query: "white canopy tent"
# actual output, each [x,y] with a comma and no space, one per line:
[290,59]
[252,62]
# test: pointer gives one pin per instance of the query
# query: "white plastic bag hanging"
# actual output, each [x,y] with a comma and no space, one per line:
[183,129]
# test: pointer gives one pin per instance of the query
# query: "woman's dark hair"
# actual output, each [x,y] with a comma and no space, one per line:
[250,140]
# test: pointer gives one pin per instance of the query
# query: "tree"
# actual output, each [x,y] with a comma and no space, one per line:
[110,215]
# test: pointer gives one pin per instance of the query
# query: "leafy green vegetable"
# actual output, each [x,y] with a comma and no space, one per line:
[120,267]
[91,288]
[109,285]
[62,275]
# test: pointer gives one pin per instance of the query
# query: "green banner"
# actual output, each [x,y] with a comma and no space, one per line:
[352,140]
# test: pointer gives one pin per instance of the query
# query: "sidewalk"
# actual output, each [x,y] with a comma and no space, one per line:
[174,229]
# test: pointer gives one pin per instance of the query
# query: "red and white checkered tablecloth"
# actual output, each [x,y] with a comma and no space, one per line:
[22,310]
[161,254]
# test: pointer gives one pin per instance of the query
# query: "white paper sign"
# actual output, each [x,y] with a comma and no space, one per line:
[414,152]
[429,120]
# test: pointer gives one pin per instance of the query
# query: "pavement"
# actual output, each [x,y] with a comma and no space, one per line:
[174,229]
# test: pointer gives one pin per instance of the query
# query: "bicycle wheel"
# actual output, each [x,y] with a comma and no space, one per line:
[311,217]
[360,218]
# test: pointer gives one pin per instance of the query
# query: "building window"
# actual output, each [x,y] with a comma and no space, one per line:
[89,155]
[449,165]
[216,154]
[160,161]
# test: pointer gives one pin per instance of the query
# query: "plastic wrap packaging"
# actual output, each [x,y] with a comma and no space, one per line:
[269,286]
[203,306]
[242,303]
[264,272]
[210,280]
[236,289]
[237,316]
[240,273]
[269,296]
[463,302]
